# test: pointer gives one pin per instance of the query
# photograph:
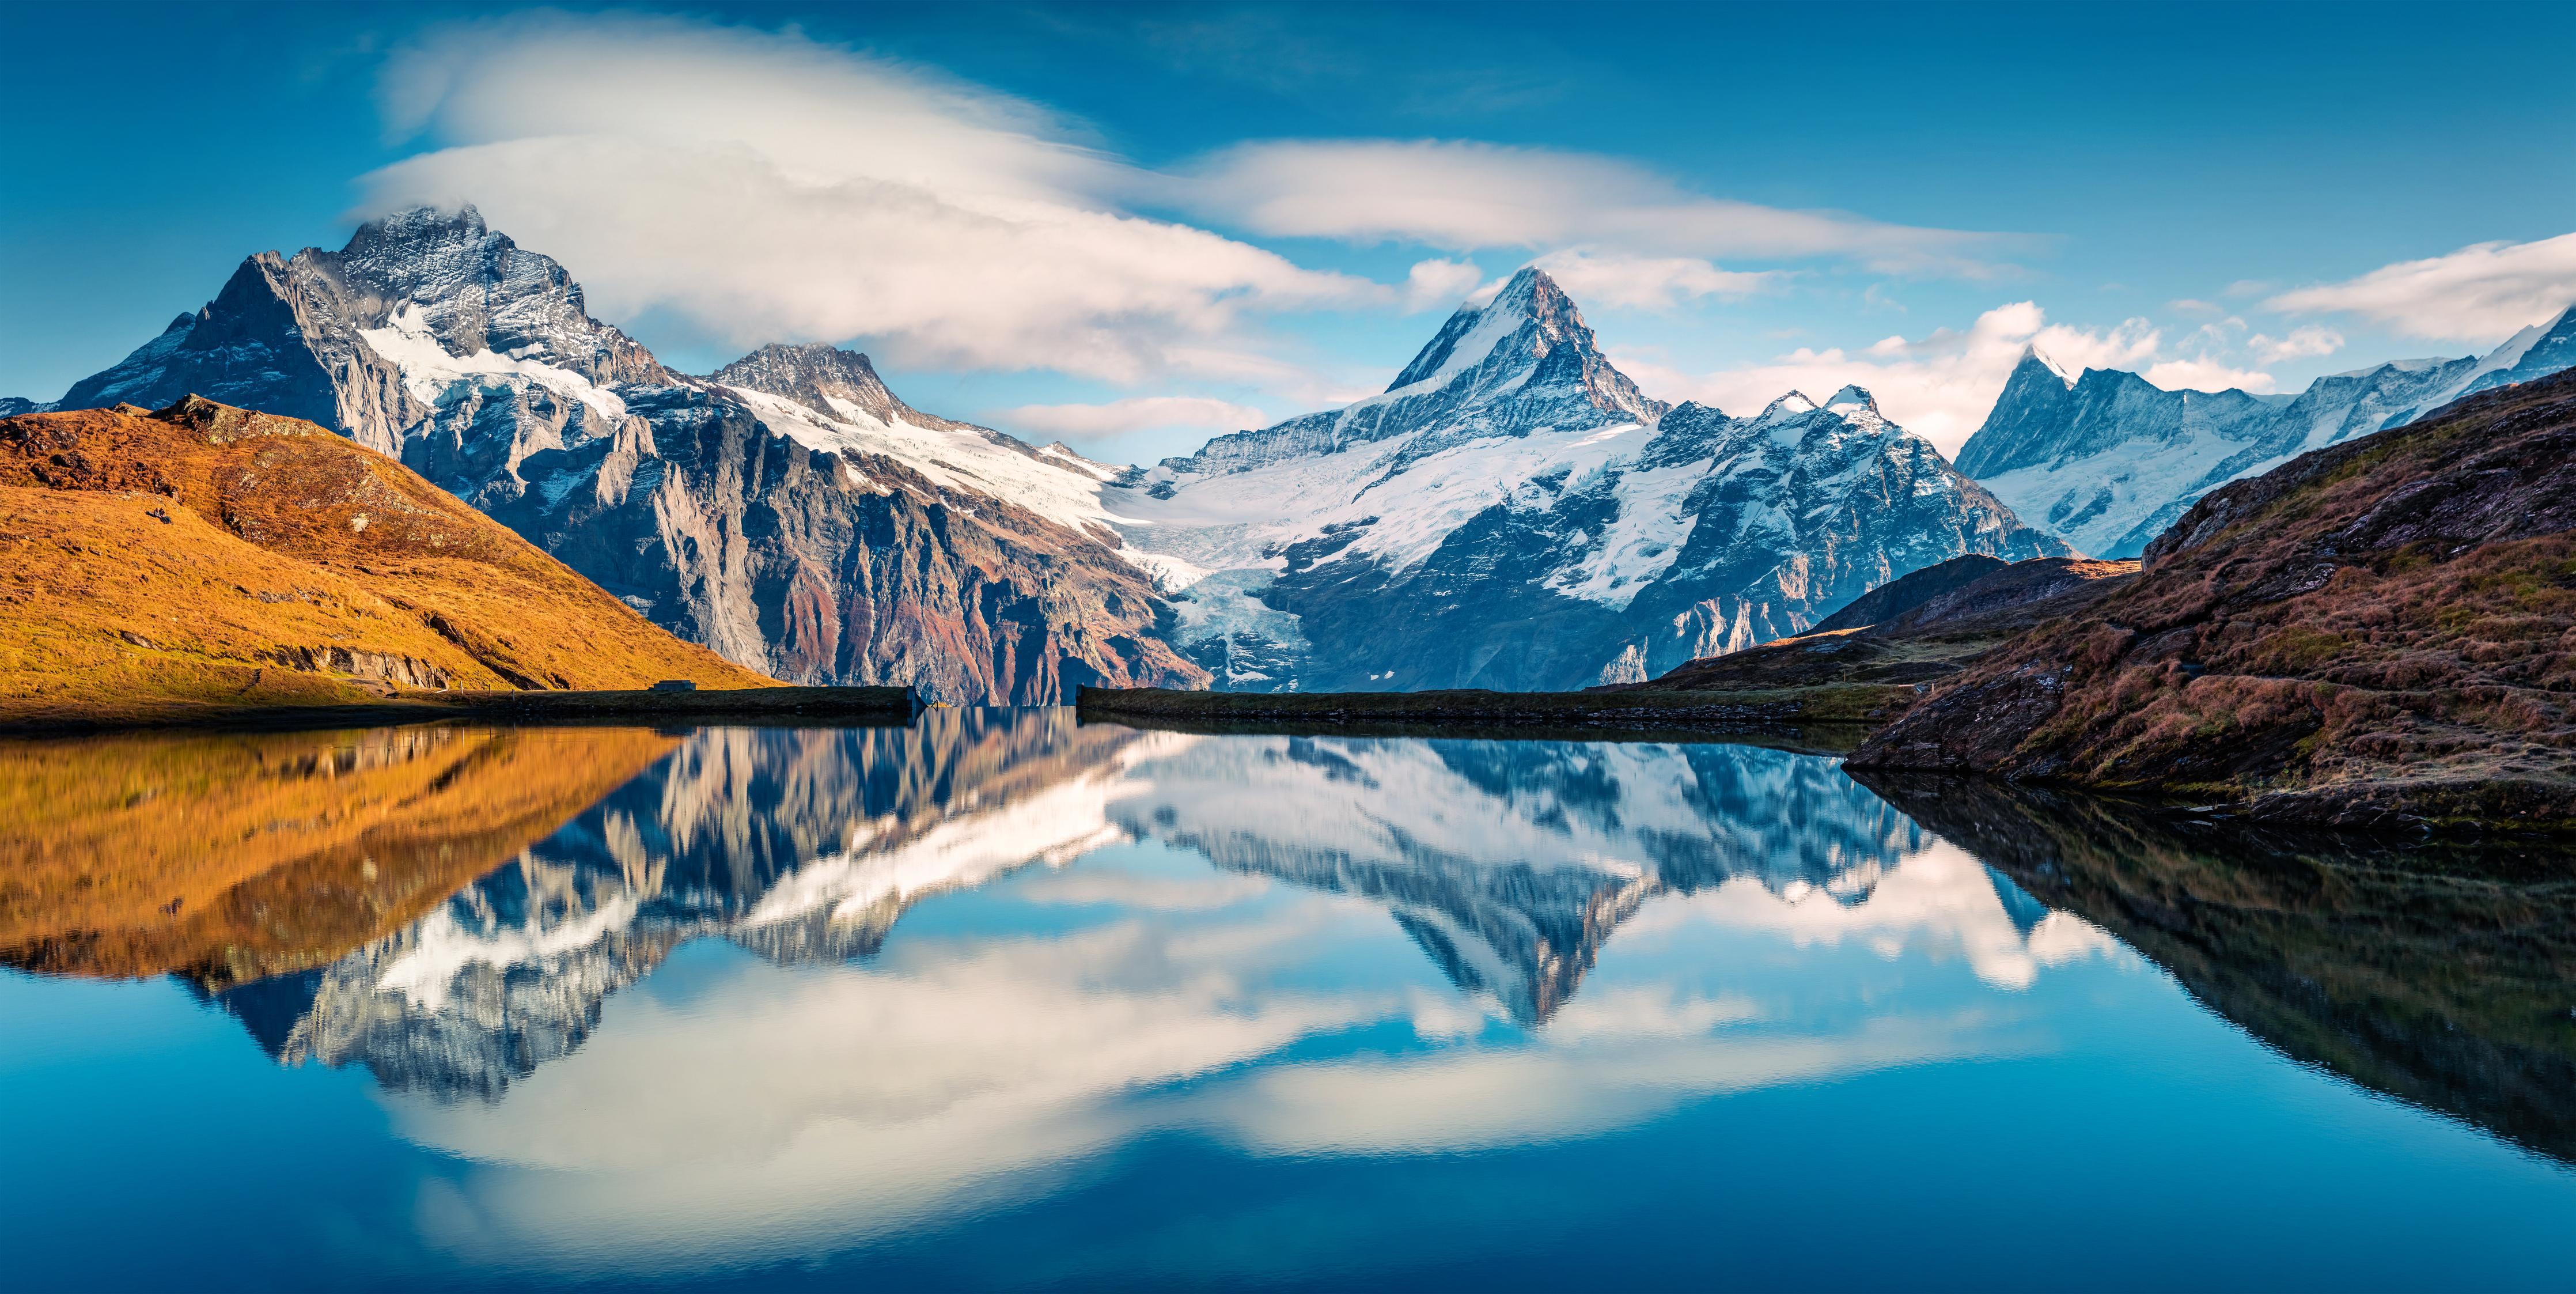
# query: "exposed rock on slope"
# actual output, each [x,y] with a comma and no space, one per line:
[2375,632]
[2107,461]
[789,513]
[1511,514]
[204,555]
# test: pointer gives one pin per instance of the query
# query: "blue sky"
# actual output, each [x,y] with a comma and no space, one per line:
[1135,226]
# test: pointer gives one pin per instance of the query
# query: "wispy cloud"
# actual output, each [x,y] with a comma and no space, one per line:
[2479,293]
[769,187]
[1464,196]
[1649,282]
[1138,413]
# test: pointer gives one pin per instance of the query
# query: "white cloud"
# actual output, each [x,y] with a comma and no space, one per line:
[1464,195]
[2303,342]
[769,187]
[1137,413]
[2481,292]
[2206,375]
[1647,282]
[1440,283]
[1940,386]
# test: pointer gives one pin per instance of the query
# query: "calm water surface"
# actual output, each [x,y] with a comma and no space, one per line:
[1000,1001]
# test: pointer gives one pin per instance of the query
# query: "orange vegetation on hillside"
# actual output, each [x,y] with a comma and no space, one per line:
[230,858]
[205,556]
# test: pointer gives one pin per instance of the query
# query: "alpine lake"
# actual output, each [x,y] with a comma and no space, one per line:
[1002,1000]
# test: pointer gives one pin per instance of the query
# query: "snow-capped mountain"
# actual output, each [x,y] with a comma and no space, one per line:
[789,512]
[2107,461]
[1512,513]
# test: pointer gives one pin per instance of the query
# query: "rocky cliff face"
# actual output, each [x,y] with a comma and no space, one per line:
[2107,461]
[2376,632]
[789,512]
[1512,514]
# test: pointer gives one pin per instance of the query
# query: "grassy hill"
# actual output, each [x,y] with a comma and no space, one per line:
[204,557]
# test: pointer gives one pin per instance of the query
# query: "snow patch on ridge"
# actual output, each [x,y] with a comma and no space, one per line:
[429,371]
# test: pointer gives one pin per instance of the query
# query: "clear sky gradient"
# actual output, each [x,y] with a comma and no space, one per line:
[1133,227]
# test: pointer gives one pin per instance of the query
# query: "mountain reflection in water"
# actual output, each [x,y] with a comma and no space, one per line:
[1155,933]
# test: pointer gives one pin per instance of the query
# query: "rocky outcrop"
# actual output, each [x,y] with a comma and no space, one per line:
[2374,634]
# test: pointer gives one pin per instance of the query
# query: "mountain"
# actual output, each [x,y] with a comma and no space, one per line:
[2106,461]
[2372,633]
[153,563]
[1511,513]
[788,512]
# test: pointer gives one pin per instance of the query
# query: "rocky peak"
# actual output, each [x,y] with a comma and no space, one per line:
[1791,405]
[830,381]
[1531,328]
[1852,401]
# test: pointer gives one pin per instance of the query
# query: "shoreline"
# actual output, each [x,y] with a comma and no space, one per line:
[767,706]
[1839,715]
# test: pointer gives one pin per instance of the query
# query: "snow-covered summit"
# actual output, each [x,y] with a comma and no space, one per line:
[1521,363]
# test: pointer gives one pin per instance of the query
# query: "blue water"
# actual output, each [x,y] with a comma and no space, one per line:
[999,1002]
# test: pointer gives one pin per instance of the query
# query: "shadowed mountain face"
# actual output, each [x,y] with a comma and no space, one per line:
[2438,976]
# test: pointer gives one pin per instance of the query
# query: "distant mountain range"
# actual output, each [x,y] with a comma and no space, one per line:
[1512,512]
[2106,461]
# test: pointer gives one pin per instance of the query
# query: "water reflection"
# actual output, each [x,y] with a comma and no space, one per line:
[2435,972]
[911,976]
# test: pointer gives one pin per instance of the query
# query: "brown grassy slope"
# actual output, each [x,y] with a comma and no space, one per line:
[229,858]
[2374,633]
[206,556]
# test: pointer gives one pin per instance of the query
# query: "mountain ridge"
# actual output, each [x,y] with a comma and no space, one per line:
[2107,460]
